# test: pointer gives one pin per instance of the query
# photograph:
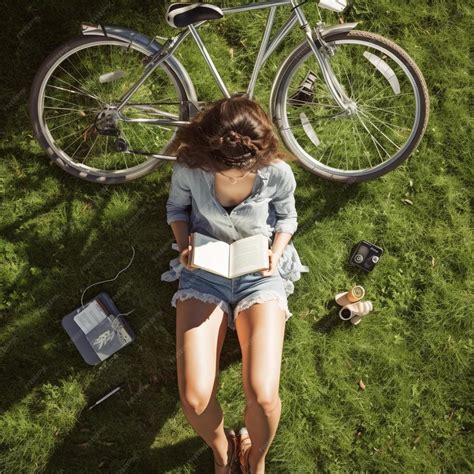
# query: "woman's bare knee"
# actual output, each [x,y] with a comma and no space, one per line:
[267,399]
[195,400]
[195,395]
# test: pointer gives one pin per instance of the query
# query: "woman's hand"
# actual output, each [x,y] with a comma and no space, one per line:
[273,257]
[184,257]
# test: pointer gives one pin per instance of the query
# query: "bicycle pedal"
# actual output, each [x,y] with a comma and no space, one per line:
[305,91]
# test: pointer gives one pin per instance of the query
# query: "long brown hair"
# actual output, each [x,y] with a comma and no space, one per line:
[231,132]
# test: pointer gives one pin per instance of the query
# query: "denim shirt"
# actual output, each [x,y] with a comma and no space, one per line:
[269,208]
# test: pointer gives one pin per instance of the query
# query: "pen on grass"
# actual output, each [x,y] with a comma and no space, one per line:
[112,392]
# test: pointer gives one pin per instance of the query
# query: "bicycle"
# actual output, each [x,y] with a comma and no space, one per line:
[350,105]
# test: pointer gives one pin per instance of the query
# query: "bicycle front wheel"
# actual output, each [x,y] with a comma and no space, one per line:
[386,120]
[73,108]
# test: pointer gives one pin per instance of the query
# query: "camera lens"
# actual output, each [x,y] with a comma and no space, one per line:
[358,258]
[345,314]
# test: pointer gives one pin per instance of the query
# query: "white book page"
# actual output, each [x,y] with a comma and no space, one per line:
[211,254]
[248,255]
[90,317]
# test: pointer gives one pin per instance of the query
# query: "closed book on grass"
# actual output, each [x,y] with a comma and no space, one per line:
[243,256]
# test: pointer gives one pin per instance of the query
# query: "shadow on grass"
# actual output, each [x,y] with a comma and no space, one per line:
[67,258]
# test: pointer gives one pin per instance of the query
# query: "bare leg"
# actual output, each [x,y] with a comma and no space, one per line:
[261,330]
[200,332]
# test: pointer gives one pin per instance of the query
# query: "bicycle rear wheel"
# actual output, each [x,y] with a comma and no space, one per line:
[72,102]
[388,115]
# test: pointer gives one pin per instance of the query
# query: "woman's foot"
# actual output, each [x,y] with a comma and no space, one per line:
[244,450]
[229,467]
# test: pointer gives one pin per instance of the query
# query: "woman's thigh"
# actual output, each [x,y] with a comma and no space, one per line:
[200,332]
[261,329]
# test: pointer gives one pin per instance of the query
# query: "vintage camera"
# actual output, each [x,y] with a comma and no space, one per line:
[365,255]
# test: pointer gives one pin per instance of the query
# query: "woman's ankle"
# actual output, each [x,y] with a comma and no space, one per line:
[256,466]
[220,459]
[221,455]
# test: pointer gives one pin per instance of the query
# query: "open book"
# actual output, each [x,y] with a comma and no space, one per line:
[243,256]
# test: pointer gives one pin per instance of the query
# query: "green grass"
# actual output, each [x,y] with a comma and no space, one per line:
[59,234]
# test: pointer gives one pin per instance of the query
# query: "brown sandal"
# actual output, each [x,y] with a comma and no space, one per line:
[244,450]
[231,452]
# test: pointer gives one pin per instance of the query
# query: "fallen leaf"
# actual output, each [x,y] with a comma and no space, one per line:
[407,201]
[361,385]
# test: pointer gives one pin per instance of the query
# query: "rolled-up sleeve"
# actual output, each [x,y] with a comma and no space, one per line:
[179,199]
[284,204]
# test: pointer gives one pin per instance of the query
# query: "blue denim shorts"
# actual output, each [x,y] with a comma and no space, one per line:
[231,294]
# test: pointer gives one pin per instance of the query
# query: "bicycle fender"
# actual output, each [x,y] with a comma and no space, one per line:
[149,44]
[342,28]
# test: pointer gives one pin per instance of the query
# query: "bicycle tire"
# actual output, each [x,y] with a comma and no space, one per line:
[92,175]
[280,89]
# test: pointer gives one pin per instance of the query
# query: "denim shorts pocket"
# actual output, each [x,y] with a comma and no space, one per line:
[187,275]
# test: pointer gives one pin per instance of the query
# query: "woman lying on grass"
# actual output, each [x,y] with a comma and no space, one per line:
[229,182]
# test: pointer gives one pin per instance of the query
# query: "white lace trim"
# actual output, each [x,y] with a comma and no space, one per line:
[261,297]
[185,293]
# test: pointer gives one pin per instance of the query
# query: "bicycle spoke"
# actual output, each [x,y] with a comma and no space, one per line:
[374,140]
[72,143]
[72,64]
[375,126]
[64,124]
[69,108]
[73,133]
[59,100]
[370,93]
[76,150]
[375,98]
[318,104]
[388,110]
[76,91]
[383,122]
[75,79]
[70,113]
[90,149]
[124,154]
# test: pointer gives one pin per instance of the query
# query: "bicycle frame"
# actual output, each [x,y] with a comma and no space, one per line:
[264,52]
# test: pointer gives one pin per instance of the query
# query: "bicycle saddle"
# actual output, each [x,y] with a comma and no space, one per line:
[180,15]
